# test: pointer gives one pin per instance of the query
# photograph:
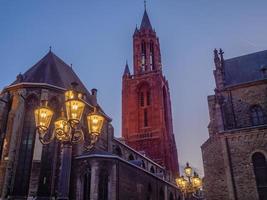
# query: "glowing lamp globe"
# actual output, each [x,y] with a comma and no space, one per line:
[74,107]
[188,170]
[43,116]
[196,181]
[179,181]
[95,123]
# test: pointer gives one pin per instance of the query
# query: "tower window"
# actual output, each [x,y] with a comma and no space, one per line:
[257,116]
[145,118]
[260,170]
[142,99]
[148,98]
[143,54]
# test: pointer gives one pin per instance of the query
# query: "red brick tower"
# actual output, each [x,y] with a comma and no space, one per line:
[146,105]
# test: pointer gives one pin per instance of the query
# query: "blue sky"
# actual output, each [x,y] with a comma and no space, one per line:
[96,37]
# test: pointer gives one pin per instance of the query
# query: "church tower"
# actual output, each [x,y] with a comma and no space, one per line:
[146,105]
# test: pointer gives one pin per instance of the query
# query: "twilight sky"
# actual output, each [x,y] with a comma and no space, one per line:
[96,37]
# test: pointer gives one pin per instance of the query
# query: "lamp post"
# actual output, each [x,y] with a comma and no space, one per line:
[68,129]
[189,185]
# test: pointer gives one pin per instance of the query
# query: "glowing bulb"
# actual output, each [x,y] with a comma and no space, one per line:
[95,121]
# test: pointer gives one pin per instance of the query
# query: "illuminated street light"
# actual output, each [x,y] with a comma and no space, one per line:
[69,130]
[191,185]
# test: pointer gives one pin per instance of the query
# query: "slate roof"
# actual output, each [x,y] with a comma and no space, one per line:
[245,68]
[145,24]
[54,71]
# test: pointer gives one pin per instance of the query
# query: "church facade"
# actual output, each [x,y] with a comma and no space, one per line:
[235,154]
[112,170]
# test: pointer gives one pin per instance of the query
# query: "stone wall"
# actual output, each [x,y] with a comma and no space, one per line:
[228,166]
[215,184]
[125,180]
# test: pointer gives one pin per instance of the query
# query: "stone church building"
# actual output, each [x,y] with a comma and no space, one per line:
[140,166]
[235,154]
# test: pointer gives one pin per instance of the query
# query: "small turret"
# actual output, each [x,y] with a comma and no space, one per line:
[219,68]
[126,70]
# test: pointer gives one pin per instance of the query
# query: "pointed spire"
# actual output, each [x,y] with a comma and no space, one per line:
[145,24]
[136,30]
[145,4]
[126,70]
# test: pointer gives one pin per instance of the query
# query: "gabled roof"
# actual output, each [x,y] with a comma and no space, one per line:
[54,71]
[145,24]
[245,68]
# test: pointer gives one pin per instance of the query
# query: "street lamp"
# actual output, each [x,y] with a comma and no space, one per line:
[68,130]
[192,184]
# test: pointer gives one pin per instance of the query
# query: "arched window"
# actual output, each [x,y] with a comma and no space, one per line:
[145,118]
[142,99]
[148,98]
[161,194]
[257,116]
[86,185]
[152,170]
[131,157]
[260,170]
[143,52]
[143,164]
[103,185]
[23,171]
[117,151]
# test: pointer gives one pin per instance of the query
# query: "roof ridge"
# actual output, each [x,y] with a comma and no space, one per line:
[249,54]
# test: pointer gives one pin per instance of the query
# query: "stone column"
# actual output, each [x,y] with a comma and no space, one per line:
[64,178]
[112,184]
[13,136]
[94,181]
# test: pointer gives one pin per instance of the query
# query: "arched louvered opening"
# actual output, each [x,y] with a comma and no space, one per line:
[143,56]
[260,171]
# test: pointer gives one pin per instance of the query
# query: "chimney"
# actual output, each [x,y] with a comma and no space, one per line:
[94,95]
